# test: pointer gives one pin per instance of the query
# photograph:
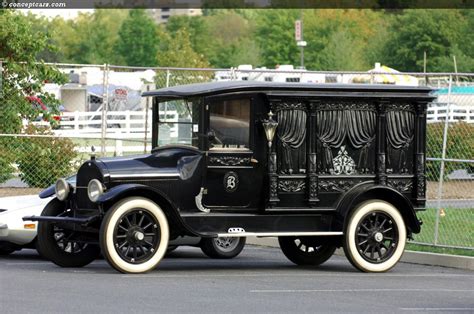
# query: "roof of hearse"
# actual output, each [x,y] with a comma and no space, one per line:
[297,89]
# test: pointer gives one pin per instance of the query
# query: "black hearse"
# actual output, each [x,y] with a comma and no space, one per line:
[318,166]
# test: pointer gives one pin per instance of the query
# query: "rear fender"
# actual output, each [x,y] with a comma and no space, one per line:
[366,192]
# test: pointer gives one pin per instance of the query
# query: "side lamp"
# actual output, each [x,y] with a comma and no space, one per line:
[270,126]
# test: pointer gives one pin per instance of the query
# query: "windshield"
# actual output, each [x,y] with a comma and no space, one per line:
[177,122]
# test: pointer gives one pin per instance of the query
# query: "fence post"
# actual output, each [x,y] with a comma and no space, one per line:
[1,78]
[443,157]
[147,107]
[127,122]
[168,74]
[118,147]
[76,120]
[105,102]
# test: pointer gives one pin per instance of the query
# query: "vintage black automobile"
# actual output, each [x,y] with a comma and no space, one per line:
[318,166]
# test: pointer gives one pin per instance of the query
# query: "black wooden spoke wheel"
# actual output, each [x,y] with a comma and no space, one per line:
[375,236]
[62,246]
[307,250]
[134,235]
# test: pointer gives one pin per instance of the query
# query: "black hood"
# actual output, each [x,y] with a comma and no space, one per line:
[167,161]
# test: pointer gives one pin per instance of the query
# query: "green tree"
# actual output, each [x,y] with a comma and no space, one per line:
[22,76]
[341,39]
[435,32]
[137,43]
[177,51]
[197,28]
[89,38]
[275,36]
[232,42]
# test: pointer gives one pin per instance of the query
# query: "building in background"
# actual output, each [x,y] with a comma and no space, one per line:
[162,15]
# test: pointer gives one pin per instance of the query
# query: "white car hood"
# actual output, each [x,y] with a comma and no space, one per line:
[19,202]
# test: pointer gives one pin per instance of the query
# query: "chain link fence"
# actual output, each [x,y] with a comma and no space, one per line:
[101,107]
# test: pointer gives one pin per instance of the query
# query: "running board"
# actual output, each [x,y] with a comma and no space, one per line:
[278,234]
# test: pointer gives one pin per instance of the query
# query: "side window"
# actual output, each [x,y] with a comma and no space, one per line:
[229,120]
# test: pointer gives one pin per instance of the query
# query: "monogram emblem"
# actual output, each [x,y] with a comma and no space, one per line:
[231,181]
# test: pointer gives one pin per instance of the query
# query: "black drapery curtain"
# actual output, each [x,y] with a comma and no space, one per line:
[361,133]
[400,126]
[291,132]
[333,127]
[331,133]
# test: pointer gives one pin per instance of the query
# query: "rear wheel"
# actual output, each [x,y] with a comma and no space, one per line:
[375,236]
[134,235]
[222,247]
[306,250]
[60,245]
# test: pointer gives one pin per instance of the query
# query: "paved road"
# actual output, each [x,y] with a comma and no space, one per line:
[260,280]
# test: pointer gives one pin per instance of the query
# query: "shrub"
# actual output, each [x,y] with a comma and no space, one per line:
[6,160]
[6,170]
[42,160]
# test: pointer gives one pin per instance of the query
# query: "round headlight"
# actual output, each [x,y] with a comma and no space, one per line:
[95,189]
[62,189]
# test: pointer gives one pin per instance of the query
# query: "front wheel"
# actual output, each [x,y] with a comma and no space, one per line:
[375,236]
[134,235]
[306,250]
[222,247]
[60,245]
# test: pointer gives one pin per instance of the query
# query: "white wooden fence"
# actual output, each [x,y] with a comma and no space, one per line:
[438,113]
[125,128]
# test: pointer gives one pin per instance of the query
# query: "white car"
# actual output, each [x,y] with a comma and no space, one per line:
[16,234]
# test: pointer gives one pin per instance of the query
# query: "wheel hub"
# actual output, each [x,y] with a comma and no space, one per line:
[139,236]
[378,236]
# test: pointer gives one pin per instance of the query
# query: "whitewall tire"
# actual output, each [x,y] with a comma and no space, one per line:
[375,236]
[134,235]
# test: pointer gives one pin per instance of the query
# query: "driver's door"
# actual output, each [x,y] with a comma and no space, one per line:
[233,176]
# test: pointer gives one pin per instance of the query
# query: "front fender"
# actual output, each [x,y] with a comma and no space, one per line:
[122,190]
[365,192]
[50,190]
[131,189]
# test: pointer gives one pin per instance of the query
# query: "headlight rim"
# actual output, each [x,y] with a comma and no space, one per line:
[67,189]
[101,189]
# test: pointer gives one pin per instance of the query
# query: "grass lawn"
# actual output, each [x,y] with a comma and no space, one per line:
[436,249]
[456,228]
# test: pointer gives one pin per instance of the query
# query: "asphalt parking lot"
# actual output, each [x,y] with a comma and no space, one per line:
[260,280]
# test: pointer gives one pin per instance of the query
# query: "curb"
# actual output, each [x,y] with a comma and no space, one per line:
[411,257]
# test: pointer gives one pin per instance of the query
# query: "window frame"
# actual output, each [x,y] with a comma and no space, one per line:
[156,121]
[207,123]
